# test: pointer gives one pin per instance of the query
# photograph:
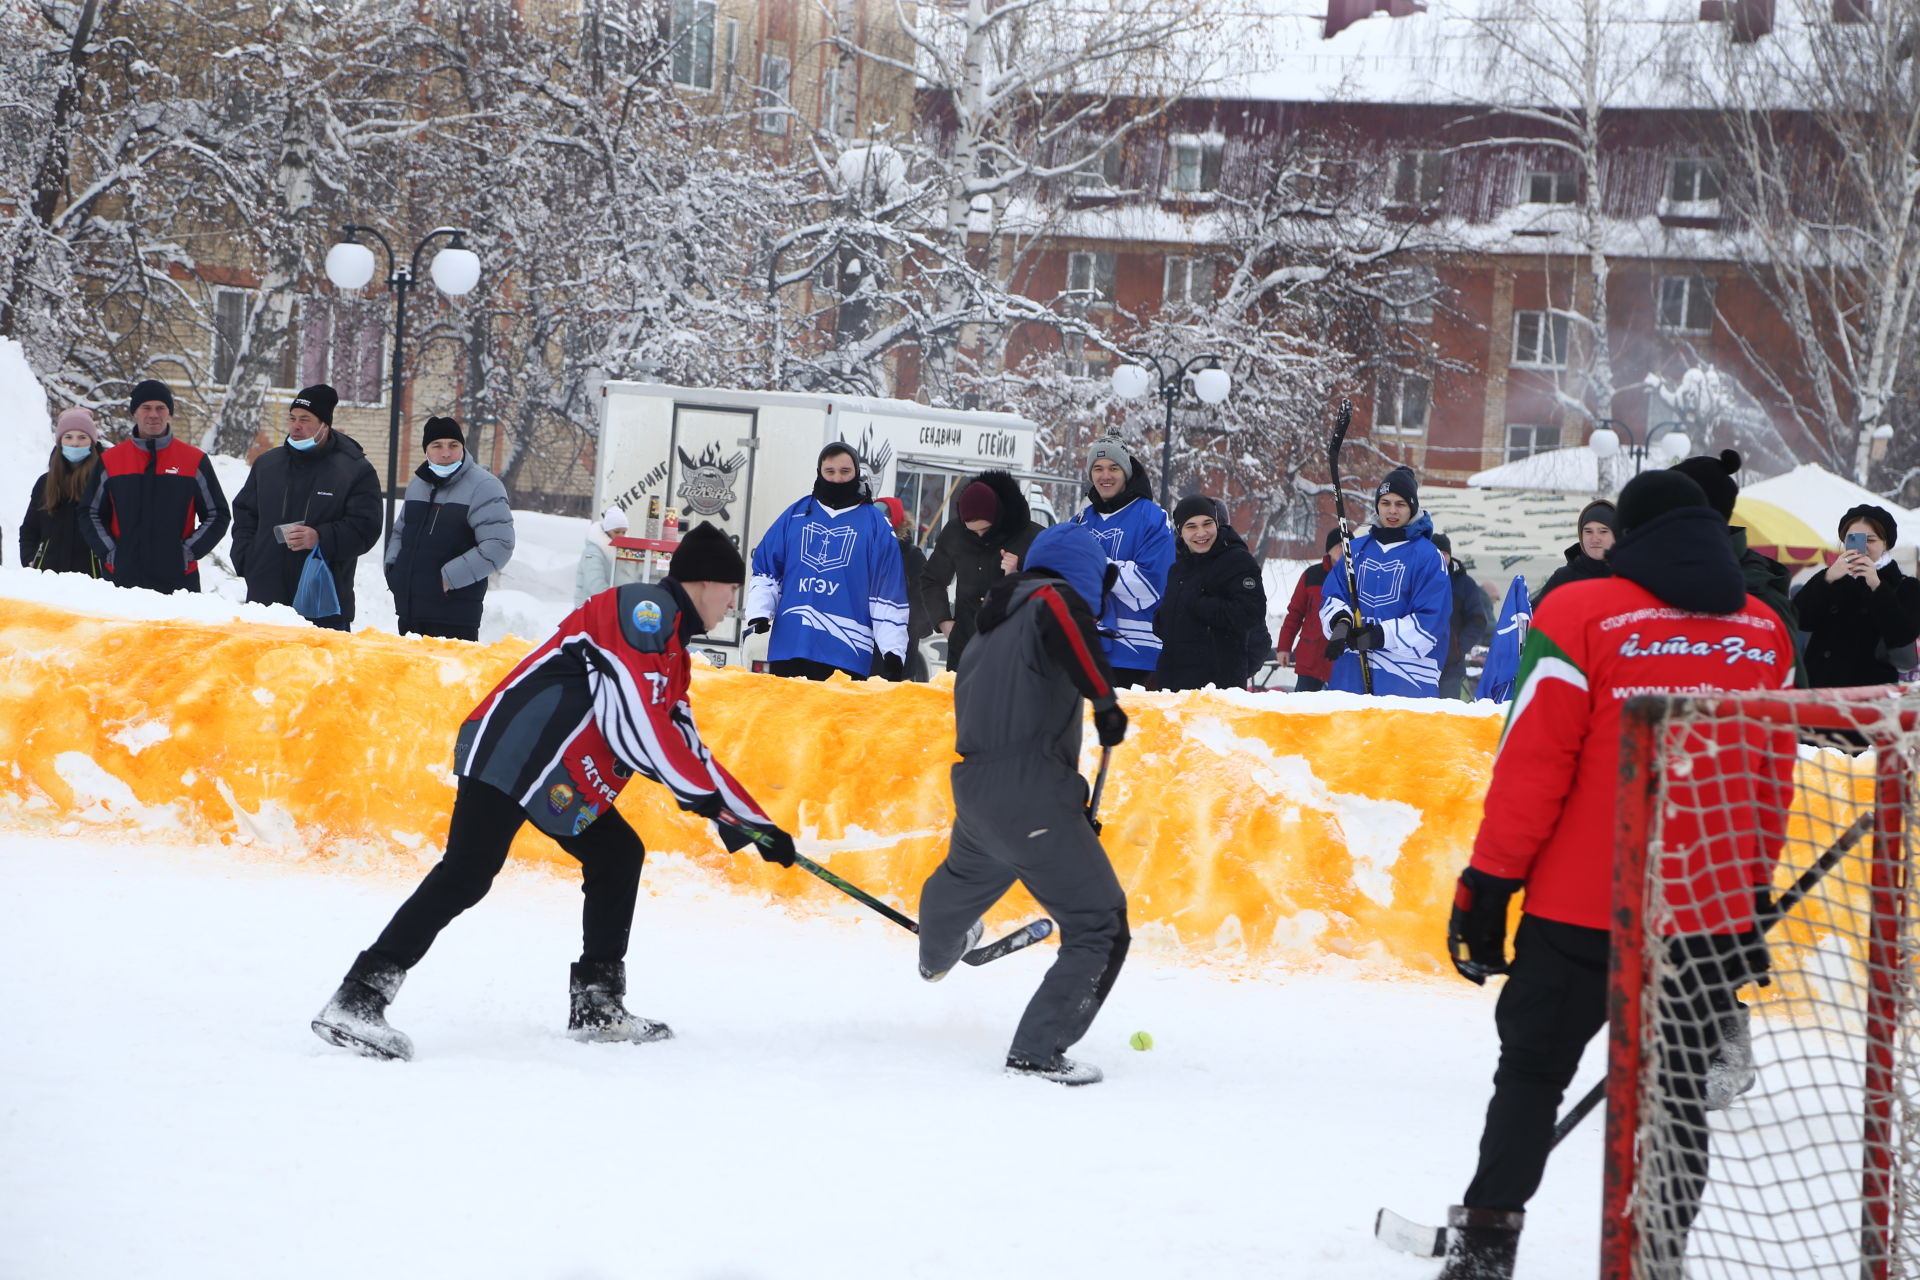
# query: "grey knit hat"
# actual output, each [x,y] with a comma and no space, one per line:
[1113,451]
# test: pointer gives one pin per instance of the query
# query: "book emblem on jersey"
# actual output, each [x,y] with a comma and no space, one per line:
[706,482]
[827,547]
[1380,582]
[559,796]
[646,617]
[1110,540]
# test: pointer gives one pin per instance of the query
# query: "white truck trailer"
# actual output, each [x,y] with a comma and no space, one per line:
[671,457]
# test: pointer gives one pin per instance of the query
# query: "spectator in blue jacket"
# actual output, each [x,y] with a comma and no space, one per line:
[1138,539]
[1405,602]
[1470,624]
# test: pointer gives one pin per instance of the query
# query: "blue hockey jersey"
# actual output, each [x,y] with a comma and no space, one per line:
[1404,587]
[832,584]
[1138,540]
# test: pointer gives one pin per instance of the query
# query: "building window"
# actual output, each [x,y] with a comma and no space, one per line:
[343,344]
[1686,304]
[1080,358]
[1194,162]
[1400,403]
[1552,188]
[1693,180]
[690,31]
[1539,340]
[1419,177]
[1101,172]
[729,56]
[830,99]
[1523,441]
[1090,278]
[229,328]
[772,113]
[1416,290]
[1188,282]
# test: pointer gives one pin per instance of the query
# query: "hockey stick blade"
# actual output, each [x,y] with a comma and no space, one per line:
[1020,939]
[1408,1236]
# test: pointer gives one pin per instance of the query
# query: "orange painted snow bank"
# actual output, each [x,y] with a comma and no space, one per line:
[1247,829]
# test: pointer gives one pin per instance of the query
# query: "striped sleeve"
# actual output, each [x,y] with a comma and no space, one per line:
[642,727]
[1533,771]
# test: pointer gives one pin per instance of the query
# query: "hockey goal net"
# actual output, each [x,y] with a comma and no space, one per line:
[1763,1093]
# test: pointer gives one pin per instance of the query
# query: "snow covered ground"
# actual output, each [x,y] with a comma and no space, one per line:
[822,1113]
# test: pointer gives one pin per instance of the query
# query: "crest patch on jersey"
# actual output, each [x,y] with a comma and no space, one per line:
[559,796]
[827,547]
[646,617]
[584,819]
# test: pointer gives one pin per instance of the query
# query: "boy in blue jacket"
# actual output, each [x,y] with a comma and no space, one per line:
[1406,600]
[1138,539]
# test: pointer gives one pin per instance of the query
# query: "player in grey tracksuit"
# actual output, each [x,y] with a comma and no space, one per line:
[1020,800]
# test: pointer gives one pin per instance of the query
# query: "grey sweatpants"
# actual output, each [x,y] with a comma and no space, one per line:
[1024,818]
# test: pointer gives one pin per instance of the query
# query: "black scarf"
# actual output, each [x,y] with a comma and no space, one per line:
[838,494]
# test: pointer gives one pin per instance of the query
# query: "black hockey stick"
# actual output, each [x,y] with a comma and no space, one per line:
[1099,785]
[1424,1241]
[1031,930]
[1340,426]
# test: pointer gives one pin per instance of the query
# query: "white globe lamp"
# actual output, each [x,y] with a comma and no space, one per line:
[1131,381]
[349,266]
[1605,443]
[1678,445]
[456,271]
[1212,385]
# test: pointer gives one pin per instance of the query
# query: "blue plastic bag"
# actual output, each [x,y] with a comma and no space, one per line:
[316,596]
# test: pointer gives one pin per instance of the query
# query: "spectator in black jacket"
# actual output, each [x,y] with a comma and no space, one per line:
[913,563]
[455,529]
[153,507]
[1862,615]
[991,529]
[1471,624]
[1214,598]
[50,536]
[1587,557]
[316,490]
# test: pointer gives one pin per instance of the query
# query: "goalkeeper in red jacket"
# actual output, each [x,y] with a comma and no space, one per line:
[1676,618]
[554,744]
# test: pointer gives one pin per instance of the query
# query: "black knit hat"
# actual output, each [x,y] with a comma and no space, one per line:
[1402,481]
[1879,517]
[836,447]
[1652,494]
[707,555]
[1599,511]
[1443,542]
[442,429]
[1715,478]
[1333,537]
[317,400]
[151,389]
[1194,504]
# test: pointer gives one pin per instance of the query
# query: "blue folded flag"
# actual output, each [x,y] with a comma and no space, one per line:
[1503,655]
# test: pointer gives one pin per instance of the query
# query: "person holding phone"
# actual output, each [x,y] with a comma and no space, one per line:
[1862,615]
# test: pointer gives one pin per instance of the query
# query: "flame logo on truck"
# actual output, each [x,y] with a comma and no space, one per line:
[706,483]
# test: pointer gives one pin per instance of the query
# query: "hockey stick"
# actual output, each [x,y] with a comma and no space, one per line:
[1424,1241]
[1099,785]
[1346,535]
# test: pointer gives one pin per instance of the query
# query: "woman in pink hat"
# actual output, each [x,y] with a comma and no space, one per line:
[50,535]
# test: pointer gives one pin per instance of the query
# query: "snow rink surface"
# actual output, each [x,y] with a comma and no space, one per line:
[165,1111]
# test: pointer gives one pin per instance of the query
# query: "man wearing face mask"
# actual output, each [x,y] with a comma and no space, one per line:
[153,507]
[316,490]
[828,583]
[455,529]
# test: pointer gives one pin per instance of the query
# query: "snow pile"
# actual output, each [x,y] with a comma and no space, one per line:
[26,438]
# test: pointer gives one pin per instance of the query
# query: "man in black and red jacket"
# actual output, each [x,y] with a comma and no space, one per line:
[554,744]
[154,506]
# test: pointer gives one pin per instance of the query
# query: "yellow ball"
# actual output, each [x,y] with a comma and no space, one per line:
[1141,1040]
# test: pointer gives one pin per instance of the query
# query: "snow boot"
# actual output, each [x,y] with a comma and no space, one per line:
[1731,1072]
[1481,1243]
[597,1015]
[974,934]
[356,1017]
[1060,1069]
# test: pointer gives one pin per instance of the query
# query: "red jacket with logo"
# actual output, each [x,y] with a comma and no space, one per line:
[603,699]
[1550,807]
[152,510]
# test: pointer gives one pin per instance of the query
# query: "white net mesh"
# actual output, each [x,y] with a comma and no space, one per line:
[1779,1036]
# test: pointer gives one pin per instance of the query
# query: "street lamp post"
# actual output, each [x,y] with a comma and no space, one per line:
[455,270]
[1210,386]
[1669,438]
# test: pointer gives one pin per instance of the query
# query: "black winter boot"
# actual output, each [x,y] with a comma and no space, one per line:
[1481,1243]
[1060,1069]
[597,1014]
[356,1016]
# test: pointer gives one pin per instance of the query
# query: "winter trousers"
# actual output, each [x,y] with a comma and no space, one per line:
[1554,1002]
[1023,817]
[484,822]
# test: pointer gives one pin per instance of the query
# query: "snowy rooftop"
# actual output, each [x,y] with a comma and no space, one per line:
[1575,468]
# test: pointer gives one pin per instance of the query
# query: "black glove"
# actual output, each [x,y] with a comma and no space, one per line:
[1337,635]
[770,842]
[708,806]
[1368,638]
[1110,725]
[761,625]
[892,668]
[1477,929]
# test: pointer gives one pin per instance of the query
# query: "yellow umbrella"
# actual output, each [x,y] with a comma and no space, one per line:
[1777,532]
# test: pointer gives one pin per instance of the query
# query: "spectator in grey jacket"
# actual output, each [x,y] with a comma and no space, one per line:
[454,529]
